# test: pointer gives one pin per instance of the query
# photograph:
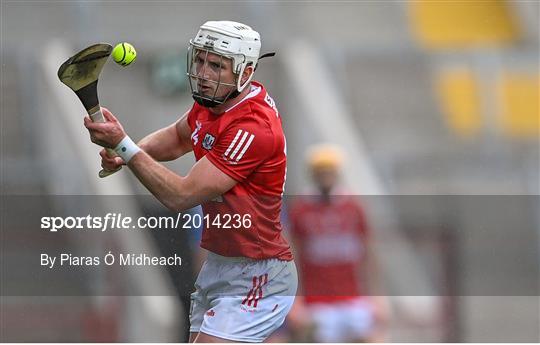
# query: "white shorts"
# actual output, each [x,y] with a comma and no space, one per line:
[242,299]
[342,321]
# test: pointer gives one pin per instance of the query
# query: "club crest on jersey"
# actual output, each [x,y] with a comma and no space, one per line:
[208,141]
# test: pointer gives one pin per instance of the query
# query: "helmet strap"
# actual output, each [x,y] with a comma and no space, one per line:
[241,87]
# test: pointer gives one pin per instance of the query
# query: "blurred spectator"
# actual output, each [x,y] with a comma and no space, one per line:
[338,278]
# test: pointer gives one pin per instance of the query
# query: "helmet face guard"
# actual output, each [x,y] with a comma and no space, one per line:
[208,92]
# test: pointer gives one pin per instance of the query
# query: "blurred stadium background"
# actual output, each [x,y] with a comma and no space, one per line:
[428,99]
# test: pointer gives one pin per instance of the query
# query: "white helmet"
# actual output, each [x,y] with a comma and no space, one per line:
[233,40]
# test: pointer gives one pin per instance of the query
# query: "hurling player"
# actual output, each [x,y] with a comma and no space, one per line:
[247,285]
[332,245]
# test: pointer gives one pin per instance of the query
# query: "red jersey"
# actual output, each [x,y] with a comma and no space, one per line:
[247,143]
[330,237]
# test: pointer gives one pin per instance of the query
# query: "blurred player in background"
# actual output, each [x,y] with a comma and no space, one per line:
[337,269]
[247,284]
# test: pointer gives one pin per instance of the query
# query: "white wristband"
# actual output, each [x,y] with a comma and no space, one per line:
[127,149]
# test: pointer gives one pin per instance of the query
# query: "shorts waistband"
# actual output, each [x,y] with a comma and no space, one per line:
[217,257]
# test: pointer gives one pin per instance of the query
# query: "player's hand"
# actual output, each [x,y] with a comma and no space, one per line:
[107,134]
[110,163]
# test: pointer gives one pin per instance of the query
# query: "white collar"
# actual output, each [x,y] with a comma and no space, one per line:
[254,92]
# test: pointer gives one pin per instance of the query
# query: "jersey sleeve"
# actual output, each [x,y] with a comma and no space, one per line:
[241,148]
[191,117]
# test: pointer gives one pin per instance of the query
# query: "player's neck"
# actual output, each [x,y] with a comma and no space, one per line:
[325,193]
[219,109]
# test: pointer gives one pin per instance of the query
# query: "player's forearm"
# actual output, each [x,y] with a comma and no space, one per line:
[163,145]
[169,188]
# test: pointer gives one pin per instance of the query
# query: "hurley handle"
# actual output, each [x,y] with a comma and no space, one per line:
[97,116]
